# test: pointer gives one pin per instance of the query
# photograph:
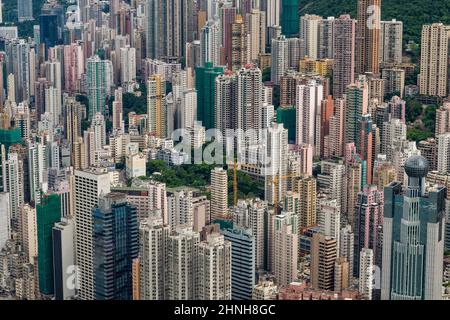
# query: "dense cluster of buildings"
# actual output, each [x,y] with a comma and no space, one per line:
[312,108]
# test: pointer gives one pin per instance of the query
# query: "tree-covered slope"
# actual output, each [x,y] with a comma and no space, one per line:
[413,13]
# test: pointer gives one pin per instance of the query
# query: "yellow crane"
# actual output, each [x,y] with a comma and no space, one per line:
[275,180]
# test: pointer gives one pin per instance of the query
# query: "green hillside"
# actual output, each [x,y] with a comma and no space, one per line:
[413,13]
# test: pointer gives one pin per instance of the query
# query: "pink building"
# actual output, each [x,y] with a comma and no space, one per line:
[73,67]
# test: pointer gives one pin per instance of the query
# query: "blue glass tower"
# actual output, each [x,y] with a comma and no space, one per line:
[116,244]
[242,262]
[413,237]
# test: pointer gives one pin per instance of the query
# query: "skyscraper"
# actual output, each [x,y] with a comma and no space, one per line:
[344,54]
[391,43]
[99,75]
[357,100]
[368,36]
[285,248]
[413,237]
[48,212]
[279,58]
[205,85]
[153,237]
[366,273]
[64,270]
[156,106]
[210,43]
[309,32]
[219,193]
[115,245]
[182,246]
[290,17]
[368,226]
[213,267]
[24,10]
[242,262]
[89,185]
[433,60]
[238,44]
[323,257]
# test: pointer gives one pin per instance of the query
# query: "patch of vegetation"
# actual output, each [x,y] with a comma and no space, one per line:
[413,13]
[199,176]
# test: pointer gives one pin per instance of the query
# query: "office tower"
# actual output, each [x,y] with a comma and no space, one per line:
[309,100]
[344,54]
[323,258]
[413,237]
[273,10]
[156,106]
[18,64]
[357,100]
[51,25]
[219,193]
[213,268]
[28,232]
[394,81]
[285,252]
[127,66]
[89,185]
[115,245]
[14,185]
[307,188]
[368,223]
[433,60]
[309,32]
[368,37]
[290,17]
[279,59]
[326,38]
[24,10]
[99,75]
[242,262]
[205,85]
[250,214]
[181,253]
[5,219]
[48,212]
[210,43]
[238,44]
[347,246]
[257,33]
[341,274]
[276,152]
[366,263]
[153,239]
[337,120]
[391,41]
[329,219]
[64,259]
[443,158]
